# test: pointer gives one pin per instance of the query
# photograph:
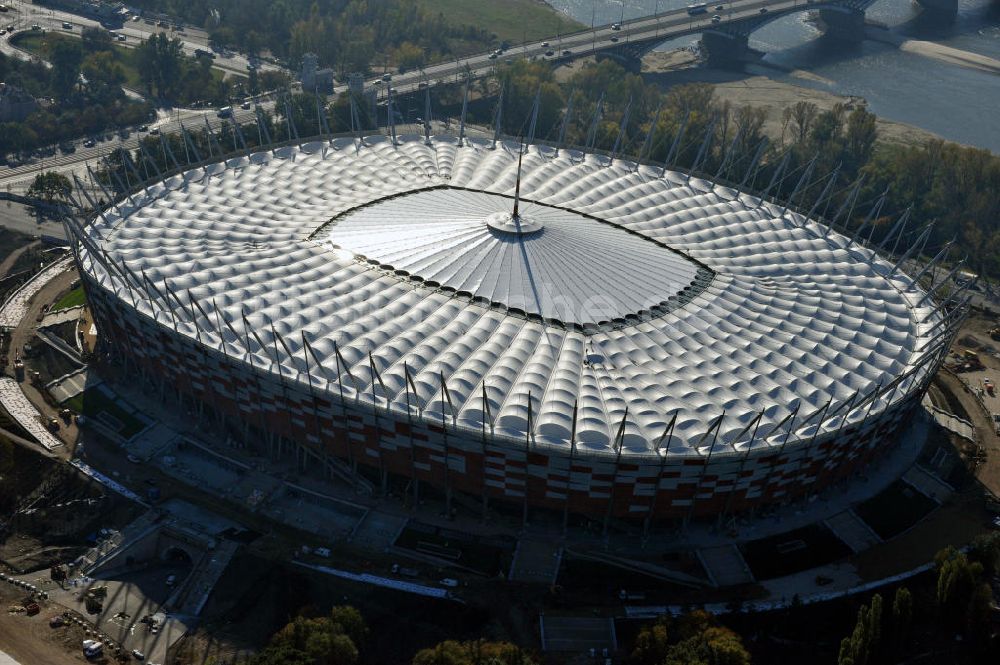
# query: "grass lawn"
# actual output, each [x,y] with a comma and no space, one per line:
[512,20]
[895,509]
[74,298]
[793,551]
[94,404]
[40,43]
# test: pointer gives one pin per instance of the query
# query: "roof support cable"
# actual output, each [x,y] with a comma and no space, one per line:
[498,118]
[561,142]
[622,127]
[595,123]
[703,151]
[674,151]
[647,144]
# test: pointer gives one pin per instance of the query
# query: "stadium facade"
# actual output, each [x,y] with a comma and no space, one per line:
[633,343]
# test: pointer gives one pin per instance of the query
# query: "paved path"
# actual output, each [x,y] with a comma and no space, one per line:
[989,472]
[13,311]
[852,530]
[25,413]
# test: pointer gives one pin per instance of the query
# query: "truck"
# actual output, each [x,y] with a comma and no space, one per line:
[701,8]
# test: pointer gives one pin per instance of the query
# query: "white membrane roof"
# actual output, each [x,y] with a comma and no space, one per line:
[403,259]
[552,262]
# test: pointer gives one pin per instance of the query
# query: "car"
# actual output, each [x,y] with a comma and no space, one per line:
[550,53]
[143,128]
[493,56]
[155,131]
[121,38]
[89,143]
[989,386]
[3,31]
[245,106]
[763,10]
[36,27]
[422,84]
[225,112]
[171,580]
[132,458]
[567,52]
[386,77]
[136,18]
[614,39]
[138,655]
[67,25]
[719,8]
[545,44]
[716,18]
[616,26]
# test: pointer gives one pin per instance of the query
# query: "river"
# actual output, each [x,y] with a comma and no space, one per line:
[912,84]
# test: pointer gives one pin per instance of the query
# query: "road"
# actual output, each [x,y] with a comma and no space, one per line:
[192,39]
[18,179]
[663,27]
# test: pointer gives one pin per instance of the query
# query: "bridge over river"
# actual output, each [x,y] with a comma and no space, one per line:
[724,27]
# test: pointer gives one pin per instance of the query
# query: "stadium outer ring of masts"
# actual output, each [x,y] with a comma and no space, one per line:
[211,280]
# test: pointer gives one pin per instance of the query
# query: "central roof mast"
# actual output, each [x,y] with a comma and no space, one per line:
[517,188]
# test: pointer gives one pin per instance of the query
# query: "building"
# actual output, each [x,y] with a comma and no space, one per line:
[622,342]
[15,103]
[313,78]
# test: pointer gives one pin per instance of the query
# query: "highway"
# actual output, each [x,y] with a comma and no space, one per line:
[18,179]
[663,27]
[23,16]
[650,29]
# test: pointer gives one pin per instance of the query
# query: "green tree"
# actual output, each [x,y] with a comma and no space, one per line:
[692,639]
[325,640]
[50,187]
[902,616]
[957,579]
[159,61]
[66,57]
[478,652]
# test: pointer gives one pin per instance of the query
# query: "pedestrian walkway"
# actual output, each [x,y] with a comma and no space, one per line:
[16,306]
[853,531]
[928,484]
[725,565]
[536,562]
[24,413]
[951,422]
[577,634]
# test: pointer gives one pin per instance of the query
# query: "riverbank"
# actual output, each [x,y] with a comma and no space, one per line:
[681,66]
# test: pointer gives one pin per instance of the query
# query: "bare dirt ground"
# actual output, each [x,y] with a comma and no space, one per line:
[676,67]
[30,640]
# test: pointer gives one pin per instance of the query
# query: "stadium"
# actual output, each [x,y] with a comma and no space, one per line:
[578,334]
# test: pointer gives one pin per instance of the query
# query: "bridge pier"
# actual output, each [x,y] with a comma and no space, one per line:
[727,49]
[843,23]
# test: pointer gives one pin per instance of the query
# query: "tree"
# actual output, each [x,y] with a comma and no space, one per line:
[66,56]
[863,642]
[902,616]
[859,138]
[326,640]
[692,639]
[477,652]
[800,115]
[50,187]
[159,61]
[957,579]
